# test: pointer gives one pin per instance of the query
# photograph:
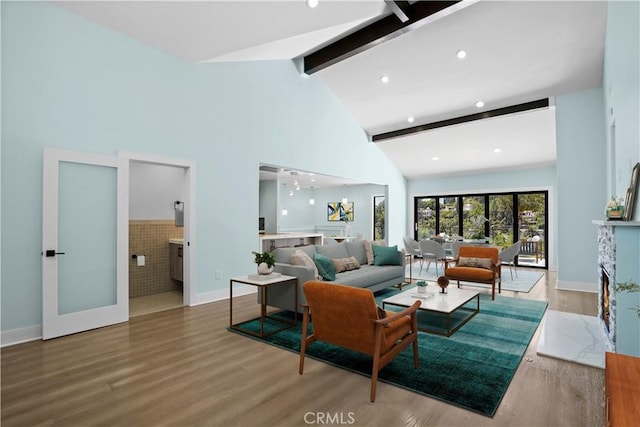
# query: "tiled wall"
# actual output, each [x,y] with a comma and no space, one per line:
[151,239]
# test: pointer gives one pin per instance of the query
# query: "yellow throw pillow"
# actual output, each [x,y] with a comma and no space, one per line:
[345,264]
[474,262]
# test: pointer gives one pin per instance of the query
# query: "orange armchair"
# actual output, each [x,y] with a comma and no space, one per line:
[487,270]
[348,317]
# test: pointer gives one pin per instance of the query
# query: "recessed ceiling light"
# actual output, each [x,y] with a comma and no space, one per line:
[384,79]
[435,158]
[312,3]
[410,119]
[497,150]
[479,104]
[461,54]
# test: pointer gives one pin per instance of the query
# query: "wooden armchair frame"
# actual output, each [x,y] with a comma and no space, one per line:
[475,274]
[348,317]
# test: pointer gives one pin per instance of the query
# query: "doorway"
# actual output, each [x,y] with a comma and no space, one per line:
[160,211]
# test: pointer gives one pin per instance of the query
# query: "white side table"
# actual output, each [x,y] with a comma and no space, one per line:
[263,286]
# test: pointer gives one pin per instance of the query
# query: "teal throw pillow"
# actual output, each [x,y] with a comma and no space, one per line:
[326,269]
[386,255]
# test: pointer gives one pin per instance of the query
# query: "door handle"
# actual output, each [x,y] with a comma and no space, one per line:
[52,253]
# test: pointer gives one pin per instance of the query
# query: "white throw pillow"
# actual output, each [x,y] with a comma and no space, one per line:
[369,250]
[300,257]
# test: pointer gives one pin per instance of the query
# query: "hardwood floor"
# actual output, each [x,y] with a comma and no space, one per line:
[182,367]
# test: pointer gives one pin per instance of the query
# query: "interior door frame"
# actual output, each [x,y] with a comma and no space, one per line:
[53,323]
[188,287]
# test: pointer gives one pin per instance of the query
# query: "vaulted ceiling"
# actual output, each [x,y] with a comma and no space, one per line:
[516,52]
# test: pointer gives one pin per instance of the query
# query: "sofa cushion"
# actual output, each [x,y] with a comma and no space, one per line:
[333,251]
[472,274]
[369,250]
[345,264]
[474,262]
[300,257]
[386,255]
[325,267]
[369,275]
[283,255]
[356,249]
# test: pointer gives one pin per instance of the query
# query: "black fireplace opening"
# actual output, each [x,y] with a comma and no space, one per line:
[604,288]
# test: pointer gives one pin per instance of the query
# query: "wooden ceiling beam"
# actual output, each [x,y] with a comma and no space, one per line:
[527,106]
[378,32]
[398,9]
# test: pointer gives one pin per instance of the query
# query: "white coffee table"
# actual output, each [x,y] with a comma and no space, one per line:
[436,302]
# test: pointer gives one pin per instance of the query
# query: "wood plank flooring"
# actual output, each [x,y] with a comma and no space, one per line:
[182,367]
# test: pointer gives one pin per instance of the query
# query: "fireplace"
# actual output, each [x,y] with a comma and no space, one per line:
[606,293]
[604,300]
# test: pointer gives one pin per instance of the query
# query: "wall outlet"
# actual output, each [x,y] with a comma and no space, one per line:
[218,274]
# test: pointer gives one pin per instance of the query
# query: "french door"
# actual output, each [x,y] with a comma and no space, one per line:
[84,242]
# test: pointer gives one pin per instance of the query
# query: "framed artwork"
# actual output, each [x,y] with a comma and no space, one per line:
[632,192]
[338,211]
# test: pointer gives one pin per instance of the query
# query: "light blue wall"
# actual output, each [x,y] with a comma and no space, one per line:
[621,90]
[69,83]
[301,216]
[516,180]
[581,174]
[622,100]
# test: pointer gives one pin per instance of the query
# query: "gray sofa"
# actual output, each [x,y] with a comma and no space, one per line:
[367,276]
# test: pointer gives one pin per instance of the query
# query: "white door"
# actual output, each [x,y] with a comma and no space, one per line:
[84,242]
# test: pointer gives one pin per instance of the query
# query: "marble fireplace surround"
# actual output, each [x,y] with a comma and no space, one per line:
[607,261]
[585,339]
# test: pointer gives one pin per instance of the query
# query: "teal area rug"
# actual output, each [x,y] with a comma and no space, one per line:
[523,282]
[471,369]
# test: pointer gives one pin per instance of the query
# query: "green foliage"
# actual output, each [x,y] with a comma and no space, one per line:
[628,286]
[379,218]
[267,257]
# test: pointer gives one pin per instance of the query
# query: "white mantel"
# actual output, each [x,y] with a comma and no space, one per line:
[616,223]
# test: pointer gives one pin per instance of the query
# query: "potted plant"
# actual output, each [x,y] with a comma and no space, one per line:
[265,261]
[615,208]
[421,287]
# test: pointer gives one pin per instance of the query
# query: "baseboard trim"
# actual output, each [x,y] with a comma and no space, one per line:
[567,285]
[32,333]
[21,335]
[223,294]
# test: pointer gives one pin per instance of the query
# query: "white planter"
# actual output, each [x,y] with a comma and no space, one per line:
[263,268]
[422,289]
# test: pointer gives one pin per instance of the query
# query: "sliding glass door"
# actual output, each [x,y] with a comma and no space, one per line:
[500,218]
[532,228]
[425,225]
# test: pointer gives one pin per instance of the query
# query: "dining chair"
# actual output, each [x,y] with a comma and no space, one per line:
[432,251]
[509,256]
[413,248]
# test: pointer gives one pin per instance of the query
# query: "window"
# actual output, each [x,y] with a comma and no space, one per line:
[503,218]
[378,217]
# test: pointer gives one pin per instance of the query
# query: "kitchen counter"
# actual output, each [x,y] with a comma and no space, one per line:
[269,242]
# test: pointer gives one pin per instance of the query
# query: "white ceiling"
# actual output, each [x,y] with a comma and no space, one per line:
[518,51]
